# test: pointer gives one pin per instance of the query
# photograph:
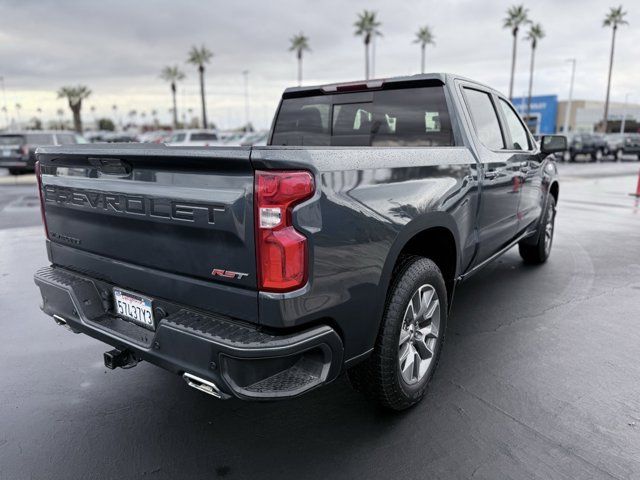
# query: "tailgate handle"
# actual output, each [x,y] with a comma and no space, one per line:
[111,166]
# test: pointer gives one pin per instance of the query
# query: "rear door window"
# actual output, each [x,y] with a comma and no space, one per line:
[398,117]
[485,119]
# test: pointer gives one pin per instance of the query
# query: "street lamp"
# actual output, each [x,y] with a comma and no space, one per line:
[245,73]
[567,112]
[4,102]
[624,112]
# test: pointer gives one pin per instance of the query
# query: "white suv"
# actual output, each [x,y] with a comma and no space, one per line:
[194,138]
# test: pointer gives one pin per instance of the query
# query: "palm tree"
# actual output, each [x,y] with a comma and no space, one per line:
[60,113]
[534,34]
[367,27]
[424,37]
[199,57]
[173,75]
[614,18]
[18,109]
[299,44]
[516,17]
[75,96]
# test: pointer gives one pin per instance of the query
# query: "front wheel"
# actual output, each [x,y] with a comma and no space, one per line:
[538,252]
[410,338]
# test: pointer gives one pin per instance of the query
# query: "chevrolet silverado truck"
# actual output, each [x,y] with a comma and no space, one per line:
[265,272]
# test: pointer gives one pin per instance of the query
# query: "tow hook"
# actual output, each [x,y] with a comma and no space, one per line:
[119,358]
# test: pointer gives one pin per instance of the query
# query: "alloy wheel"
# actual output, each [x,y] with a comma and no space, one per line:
[419,334]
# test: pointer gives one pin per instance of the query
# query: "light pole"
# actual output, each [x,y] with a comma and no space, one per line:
[567,112]
[245,74]
[624,112]
[4,102]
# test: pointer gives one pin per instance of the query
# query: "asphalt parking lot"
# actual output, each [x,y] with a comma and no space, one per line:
[539,377]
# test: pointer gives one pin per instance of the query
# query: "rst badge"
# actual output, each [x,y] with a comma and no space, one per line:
[219,272]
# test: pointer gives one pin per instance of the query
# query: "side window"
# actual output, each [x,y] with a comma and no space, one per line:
[178,137]
[519,135]
[484,118]
[203,137]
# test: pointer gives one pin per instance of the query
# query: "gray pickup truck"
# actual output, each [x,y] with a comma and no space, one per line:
[265,272]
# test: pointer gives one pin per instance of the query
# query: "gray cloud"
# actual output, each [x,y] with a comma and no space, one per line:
[118,47]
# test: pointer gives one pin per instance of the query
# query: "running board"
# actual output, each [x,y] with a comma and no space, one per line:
[499,253]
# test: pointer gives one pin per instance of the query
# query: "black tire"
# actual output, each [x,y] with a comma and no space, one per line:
[538,252]
[15,171]
[379,377]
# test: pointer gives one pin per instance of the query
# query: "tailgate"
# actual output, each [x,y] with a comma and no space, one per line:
[171,222]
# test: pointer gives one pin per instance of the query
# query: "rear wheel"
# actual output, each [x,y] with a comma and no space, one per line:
[537,253]
[410,339]
[15,171]
[597,155]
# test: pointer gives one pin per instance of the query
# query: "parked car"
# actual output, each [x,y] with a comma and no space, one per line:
[586,144]
[17,149]
[264,272]
[193,138]
[626,144]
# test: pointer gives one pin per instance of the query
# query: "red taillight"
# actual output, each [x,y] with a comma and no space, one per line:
[25,149]
[281,249]
[41,193]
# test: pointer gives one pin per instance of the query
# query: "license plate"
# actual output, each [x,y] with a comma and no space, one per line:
[134,307]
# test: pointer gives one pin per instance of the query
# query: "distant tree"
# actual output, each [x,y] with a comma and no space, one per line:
[106,124]
[75,96]
[534,34]
[517,16]
[18,109]
[299,43]
[367,27]
[424,37]
[35,123]
[173,75]
[200,57]
[614,18]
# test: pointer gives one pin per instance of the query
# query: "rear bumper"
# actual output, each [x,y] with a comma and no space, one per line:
[238,358]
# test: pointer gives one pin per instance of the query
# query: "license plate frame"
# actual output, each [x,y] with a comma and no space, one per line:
[134,308]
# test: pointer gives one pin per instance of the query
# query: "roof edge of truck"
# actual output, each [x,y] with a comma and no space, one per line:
[440,78]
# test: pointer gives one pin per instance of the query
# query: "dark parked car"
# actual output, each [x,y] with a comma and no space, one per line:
[265,272]
[17,149]
[592,145]
[625,144]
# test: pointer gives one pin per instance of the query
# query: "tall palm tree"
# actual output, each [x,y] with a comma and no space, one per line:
[200,57]
[75,96]
[299,44]
[517,16]
[367,27]
[534,34]
[424,37]
[614,18]
[173,75]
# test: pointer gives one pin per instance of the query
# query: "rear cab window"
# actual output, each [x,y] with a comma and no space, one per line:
[401,117]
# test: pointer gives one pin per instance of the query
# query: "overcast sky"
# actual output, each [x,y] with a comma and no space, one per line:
[118,48]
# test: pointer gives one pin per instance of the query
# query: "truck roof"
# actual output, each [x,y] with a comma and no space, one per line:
[373,84]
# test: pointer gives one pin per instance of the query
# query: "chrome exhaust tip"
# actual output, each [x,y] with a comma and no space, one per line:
[203,385]
[62,322]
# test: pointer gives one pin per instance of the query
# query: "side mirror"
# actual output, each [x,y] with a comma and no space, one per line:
[553,144]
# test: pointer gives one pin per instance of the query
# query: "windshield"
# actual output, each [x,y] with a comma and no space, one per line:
[400,117]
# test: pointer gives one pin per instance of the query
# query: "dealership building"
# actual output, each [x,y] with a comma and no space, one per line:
[547,114]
